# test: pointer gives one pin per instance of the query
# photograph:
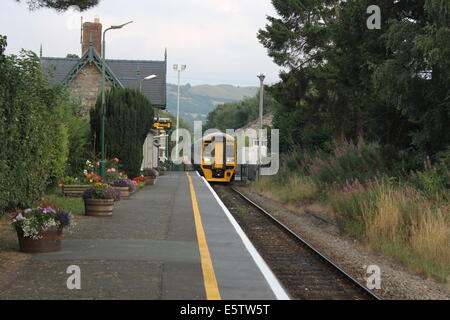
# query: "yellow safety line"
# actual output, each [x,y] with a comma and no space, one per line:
[209,277]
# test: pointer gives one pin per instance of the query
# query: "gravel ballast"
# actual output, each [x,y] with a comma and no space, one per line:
[396,282]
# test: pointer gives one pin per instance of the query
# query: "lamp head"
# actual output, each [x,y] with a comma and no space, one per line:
[121,26]
[175,67]
[153,76]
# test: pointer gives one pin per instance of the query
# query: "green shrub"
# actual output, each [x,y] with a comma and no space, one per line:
[349,162]
[33,137]
[434,181]
[128,119]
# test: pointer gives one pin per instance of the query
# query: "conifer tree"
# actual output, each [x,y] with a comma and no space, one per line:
[129,117]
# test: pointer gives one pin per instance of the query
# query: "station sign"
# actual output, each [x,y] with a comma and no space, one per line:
[162,125]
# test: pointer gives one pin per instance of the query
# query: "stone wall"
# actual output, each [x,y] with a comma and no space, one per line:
[86,85]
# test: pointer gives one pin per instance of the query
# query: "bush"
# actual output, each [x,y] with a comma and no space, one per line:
[128,119]
[349,162]
[34,137]
[434,181]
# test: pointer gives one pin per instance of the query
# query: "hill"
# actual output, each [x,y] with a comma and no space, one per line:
[197,101]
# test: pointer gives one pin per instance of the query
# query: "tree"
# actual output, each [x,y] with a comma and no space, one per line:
[72,55]
[61,5]
[390,85]
[128,119]
[235,115]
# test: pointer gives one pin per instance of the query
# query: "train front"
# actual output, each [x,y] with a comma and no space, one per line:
[218,157]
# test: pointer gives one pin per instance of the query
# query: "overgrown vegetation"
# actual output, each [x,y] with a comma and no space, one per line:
[405,216]
[39,131]
[389,87]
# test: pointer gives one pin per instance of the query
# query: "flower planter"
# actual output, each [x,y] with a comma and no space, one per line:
[124,192]
[150,181]
[98,207]
[50,241]
[74,190]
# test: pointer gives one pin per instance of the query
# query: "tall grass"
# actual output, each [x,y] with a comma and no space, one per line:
[400,222]
[406,217]
[292,189]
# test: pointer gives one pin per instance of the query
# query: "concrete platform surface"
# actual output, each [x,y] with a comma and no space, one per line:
[150,249]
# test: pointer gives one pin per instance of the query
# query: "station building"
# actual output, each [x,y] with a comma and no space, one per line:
[82,78]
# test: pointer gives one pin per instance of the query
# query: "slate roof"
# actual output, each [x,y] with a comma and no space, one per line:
[128,72]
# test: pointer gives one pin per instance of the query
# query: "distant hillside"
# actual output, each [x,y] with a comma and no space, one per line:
[225,91]
[197,101]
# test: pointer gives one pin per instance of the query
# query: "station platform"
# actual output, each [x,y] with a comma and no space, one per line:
[171,241]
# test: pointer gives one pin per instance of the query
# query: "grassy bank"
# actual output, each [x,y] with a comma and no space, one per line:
[406,216]
[73,204]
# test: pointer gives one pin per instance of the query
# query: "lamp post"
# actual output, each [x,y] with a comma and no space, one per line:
[261,77]
[179,69]
[103,109]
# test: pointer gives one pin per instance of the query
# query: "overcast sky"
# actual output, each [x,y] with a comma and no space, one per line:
[216,39]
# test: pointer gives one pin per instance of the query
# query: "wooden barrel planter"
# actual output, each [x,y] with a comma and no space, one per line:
[50,241]
[74,190]
[150,181]
[98,207]
[124,192]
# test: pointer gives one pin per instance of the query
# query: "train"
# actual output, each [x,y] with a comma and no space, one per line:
[218,158]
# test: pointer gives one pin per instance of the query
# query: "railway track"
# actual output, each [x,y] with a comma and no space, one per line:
[304,272]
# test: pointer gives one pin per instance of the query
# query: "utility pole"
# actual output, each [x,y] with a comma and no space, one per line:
[179,70]
[261,104]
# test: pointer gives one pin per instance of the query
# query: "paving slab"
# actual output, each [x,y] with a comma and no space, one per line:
[147,250]
[237,274]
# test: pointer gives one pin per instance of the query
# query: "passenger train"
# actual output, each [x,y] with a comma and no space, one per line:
[218,161]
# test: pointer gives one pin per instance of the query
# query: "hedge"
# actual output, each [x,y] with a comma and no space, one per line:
[34,131]
[128,119]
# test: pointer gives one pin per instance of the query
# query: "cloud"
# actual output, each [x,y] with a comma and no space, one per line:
[216,39]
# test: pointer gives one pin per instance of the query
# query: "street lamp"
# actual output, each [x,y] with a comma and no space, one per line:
[103,109]
[146,79]
[179,69]
[261,77]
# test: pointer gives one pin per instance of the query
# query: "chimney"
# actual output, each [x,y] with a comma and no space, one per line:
[92,30]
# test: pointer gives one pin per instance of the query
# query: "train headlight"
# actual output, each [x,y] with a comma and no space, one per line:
[230,160]
[206,159]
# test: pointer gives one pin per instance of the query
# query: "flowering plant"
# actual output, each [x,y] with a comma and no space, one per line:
[151,173]
[34,221]
[140,179]
[91,178]
[120,183]
[101,191]
[132,184]
[70,181]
